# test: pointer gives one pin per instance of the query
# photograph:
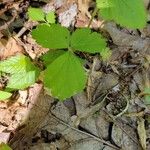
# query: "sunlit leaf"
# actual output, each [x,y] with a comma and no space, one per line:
[36,14]
[50,17]
[65,76]
[128,13]
[87,41]
[22,71]
[4,95]
[53,36]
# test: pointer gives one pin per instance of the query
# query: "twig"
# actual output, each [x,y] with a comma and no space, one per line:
[93,15]
[89,111]
[116,123]
[135,70]
[85,133]
[26,27]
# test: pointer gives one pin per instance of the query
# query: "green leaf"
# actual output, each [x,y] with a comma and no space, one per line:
[16,64]
[22,72]
[106,54]
[22,81]
[87,41]
[4,146]
[4,95]
[147,96]
[36,14]
[49,57]
[50,17]
[53,37]
[128,13]
[65,76]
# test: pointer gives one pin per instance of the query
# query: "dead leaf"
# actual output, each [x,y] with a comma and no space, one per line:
[32,48]
[94,78]
[4,137]
[83,6]
[121,38]
[125,138]
[83,15]
[67,18]
[22,97]
[142,132]
[1,35]
[88,144]
[2,47]
[11,48]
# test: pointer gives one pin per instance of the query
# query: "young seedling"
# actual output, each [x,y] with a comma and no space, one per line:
[64,75]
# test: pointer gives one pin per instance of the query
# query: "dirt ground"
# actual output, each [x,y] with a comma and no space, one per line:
[110,114]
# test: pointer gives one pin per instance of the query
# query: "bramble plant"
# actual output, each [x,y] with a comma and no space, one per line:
[64,75]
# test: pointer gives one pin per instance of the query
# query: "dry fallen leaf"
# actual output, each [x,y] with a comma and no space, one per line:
[83,6]
[67,18]
[1,35]
[2,48]
[22,97]
[142,132]
[11,48]
[4,137]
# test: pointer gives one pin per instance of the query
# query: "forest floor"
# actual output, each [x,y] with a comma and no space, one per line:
[112,113]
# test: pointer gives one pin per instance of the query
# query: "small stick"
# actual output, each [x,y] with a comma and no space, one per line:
[85,133]
[93,15]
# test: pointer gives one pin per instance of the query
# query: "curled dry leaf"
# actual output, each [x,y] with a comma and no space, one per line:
[142,132]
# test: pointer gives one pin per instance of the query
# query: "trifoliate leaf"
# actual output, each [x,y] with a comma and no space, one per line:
[51,56]
[53,37]
[4,95]
[36,14]
[22,72]
[147,96]
[128,13]
[50,17]
[65,76]
[4,146]
[87,41]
